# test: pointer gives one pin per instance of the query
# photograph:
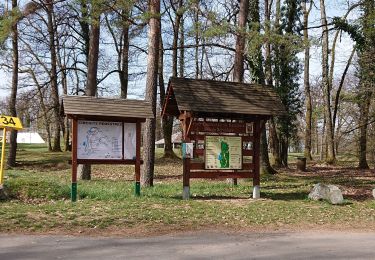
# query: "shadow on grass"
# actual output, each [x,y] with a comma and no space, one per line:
[218,197]
[287,196]
[165,176]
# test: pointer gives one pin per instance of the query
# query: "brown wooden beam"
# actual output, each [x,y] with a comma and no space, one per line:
[104,161]
[219,174]
[201,166]
[74,160]
[138,160]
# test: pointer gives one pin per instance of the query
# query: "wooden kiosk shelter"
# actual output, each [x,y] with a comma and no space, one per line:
[221,126]
[106,131]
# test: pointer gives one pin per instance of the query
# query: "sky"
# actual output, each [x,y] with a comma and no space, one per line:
[343,50]
[344,45]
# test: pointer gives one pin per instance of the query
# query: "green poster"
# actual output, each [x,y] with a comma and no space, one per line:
[223,152]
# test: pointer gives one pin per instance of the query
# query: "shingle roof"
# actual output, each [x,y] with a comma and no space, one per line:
[209,96]
[106,107]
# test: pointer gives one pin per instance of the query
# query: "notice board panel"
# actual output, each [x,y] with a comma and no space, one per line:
[223,152]
[99,140]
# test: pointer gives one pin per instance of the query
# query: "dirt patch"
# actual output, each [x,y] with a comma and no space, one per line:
[355,184]
[157,229]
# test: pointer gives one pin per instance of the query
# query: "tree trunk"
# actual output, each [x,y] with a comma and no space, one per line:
[284,151]
[151,86]
[196,38]
[167,121]
[238,67]
[275,144]
[11,160]
[85,28]
[274,137]
[181,60]
[268,59]
[176,30]
[56,147]
[92,68]
[65,123]
[257,68]
[338,92]
[84,171]
[316,130]
[61,61]
[124,58]
[306,81]
[47,123]
[330,157]
[367,79]
[323,141]
[265,165]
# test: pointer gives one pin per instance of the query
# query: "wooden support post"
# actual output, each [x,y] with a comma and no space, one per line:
[186,162]
[138,160]
[186,179]
[256,160]
[74,159]
[3,157]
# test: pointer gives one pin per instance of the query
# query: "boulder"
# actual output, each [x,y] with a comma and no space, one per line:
[373,193]
[331,193]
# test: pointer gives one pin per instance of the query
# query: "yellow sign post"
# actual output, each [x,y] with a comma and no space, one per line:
[7,122]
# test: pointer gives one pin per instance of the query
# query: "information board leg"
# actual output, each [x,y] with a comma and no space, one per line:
[186,193]
[186,179]
[256,160]
[137,188]
[3,156]
[138,160]
[74,160]
[74,192]
[256,192]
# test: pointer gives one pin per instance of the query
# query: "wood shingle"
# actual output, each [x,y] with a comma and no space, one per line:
[86,106]
[219,97]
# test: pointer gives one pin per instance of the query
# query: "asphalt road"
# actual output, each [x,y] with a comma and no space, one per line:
[202,245]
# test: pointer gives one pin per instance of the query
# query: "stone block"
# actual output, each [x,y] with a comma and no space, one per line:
[331,193]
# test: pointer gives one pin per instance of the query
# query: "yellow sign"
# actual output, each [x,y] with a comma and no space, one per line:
[10,122]
[7,122]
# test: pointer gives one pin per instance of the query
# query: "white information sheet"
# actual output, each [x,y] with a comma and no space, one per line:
[130,140]
[99,140]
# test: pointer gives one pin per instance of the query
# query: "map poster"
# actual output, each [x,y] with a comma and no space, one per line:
[99,140]
[130,141]
[223,152]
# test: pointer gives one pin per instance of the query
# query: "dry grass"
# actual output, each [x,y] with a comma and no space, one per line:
[39,192]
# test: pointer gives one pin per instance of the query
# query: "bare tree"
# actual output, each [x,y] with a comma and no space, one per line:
[92,70]
[330,157]
[265,160]
[11,161]
[151,87]
[167,121]
[238,68]
[274,138]
[53,76]
[367,81]
[306,79]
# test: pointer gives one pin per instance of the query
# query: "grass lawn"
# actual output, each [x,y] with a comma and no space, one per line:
[39,200]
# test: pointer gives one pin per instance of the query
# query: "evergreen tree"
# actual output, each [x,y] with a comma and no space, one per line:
[287,72]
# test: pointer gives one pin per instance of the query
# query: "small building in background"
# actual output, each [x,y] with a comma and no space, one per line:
[29,138]
[176,141]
